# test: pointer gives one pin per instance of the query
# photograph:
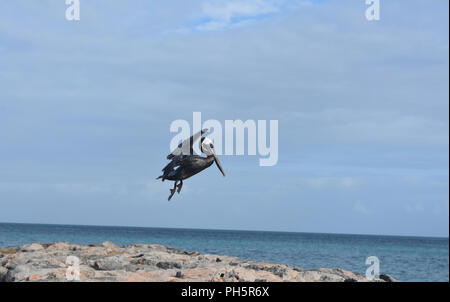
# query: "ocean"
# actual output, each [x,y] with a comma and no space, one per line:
[404,258]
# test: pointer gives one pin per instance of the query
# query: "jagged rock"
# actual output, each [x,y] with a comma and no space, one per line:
[151,262]
[108,264]
[110,245]
[168,265]
[32,247]
[386,278]
[3,272]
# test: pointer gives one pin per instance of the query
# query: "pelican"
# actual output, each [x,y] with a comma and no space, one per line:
[186,163]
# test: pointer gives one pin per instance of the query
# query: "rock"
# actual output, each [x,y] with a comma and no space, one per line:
[151,262]
[8,251]
[110,245]
[59,246]
[386,278]
[3,272]
[168,265]
[32,247]
[276,270]
[35,277]
[108,264]
[191,253]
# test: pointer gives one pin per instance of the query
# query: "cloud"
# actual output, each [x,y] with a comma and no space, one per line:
[376,126]
[415,208]
[321,183]
[441,208]
[223,14]
[360,208]
[144,190]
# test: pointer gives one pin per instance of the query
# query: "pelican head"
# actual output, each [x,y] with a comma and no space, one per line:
[207,147]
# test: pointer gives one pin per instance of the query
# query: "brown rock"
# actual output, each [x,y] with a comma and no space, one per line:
[35,277]
[110,245]
[154,263]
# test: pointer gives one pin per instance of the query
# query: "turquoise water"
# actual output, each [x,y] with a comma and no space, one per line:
[405,258]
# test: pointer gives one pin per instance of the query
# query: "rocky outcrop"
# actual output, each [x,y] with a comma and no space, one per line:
[149,262]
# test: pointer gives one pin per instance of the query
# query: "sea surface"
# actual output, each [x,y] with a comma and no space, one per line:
[404,258]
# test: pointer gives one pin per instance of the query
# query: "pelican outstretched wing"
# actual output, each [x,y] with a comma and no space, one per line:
[187,146]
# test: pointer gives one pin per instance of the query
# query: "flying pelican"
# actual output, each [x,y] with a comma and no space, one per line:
[186,163]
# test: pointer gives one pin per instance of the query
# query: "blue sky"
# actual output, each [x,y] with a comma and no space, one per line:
[85,110]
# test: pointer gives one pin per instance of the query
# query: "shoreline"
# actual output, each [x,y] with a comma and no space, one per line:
[107,262]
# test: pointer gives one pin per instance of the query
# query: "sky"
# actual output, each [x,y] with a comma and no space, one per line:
[362,107]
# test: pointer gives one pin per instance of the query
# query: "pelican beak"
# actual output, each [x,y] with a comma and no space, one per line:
[216,159]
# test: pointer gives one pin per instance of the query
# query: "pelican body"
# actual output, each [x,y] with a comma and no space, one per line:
[185,163]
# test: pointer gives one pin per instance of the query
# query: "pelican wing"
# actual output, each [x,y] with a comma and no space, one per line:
[176,161]
[187,146]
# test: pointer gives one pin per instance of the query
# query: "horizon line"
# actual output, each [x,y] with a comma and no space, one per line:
[214,229]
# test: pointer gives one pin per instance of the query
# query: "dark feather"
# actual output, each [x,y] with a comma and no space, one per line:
[185,166]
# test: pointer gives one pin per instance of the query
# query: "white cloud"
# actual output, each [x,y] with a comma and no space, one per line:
[222,14]
[328,182]
[116,189]
[380,126]
[360,208]
[415,208]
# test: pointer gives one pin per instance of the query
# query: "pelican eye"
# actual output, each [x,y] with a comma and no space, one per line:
[211,145]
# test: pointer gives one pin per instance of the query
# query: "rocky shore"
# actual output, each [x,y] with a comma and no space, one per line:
[149,262]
